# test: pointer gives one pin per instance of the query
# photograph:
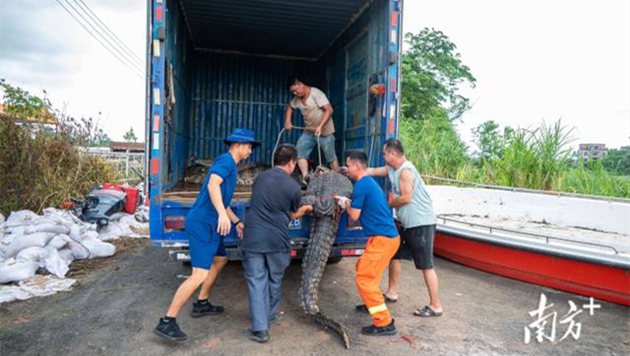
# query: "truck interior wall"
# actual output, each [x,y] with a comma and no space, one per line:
[238,90]
[218,91]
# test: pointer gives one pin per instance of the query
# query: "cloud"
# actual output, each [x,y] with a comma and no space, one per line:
[36,40]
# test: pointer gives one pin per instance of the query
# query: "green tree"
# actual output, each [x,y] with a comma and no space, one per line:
[432,73]
[617,161]
[489,140]
[21,104]
[130,136]
[433,145]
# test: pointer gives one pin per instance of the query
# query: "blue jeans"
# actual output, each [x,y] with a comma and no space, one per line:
[308,141]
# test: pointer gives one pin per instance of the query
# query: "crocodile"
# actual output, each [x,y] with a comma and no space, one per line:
[324,224]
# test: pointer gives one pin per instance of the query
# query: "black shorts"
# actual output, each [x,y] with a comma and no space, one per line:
[416,244]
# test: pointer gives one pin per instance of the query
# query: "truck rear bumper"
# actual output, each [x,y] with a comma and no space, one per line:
[179,250]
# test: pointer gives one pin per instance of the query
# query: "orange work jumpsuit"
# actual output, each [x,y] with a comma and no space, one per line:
[370,266]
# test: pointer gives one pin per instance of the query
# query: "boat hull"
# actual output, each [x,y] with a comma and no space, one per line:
[589,278]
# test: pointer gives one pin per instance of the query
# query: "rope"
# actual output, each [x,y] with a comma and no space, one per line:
[319,151]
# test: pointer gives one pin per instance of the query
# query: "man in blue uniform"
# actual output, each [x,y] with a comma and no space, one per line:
[207,222]
[368,205]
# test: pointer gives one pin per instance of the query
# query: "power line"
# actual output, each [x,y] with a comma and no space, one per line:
[124,56]
[109,32]
[133,69]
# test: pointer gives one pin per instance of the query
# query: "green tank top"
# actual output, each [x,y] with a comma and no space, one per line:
[419,211]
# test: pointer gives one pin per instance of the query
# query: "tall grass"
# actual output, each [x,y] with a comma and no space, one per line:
[40,168]
[433,145]
[538,158]
[593,180]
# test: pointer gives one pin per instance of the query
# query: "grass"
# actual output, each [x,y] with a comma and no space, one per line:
[538,158]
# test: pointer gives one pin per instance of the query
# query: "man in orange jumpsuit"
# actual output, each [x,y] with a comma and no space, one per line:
[369,206]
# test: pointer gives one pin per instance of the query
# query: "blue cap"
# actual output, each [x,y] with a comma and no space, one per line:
[242,136]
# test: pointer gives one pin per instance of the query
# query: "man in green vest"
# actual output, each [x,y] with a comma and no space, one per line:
[414,210]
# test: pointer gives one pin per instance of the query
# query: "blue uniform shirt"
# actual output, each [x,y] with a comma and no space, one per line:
[203,210]
[376,217]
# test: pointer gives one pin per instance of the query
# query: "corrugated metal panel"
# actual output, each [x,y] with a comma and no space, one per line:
[231,91]
[269,26]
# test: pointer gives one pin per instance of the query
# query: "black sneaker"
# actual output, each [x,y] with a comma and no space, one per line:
[168,329]
[258,336]
[205,308]
[379,330]
[362,308]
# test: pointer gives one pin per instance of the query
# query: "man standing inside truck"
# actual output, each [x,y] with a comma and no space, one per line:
[317,113]
[368,205]
[413,208]
[266,245]
[207,223]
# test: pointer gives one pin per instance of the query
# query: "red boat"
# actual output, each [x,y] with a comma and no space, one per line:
[586,268]
[571,242]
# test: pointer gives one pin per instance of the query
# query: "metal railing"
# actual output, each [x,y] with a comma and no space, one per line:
[129,164]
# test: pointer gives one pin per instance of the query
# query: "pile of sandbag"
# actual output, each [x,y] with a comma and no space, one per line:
[30,242]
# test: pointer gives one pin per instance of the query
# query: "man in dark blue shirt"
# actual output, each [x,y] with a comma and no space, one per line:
[266,246]
[207,222]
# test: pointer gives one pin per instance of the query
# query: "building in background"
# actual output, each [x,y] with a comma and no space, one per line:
[592,151]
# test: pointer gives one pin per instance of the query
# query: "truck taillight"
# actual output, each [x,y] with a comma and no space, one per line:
[174,222]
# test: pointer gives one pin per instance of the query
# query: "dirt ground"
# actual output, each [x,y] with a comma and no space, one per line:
[116,304]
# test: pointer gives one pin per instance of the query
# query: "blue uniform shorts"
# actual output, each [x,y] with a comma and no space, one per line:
[204,243]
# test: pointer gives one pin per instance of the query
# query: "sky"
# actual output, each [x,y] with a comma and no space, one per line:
[534,60]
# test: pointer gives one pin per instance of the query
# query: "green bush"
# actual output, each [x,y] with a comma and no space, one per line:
[40,164]
[39,169]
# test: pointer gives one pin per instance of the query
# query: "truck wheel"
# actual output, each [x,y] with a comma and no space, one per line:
[333,260]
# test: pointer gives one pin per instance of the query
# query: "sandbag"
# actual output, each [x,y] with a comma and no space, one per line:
[15,230]
[113,231]
[79,251]
[89,235]
[6,239]
[54,264]
[67,255]
[8,261]
[61,216]
[33,254]
[76,231]
[47,227]
[58,242]
[19,217]
[40,239]
[99,248]
[18,271]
